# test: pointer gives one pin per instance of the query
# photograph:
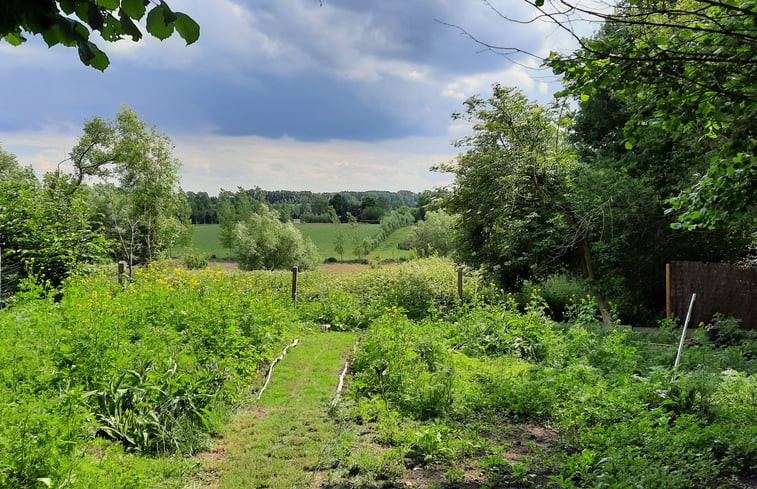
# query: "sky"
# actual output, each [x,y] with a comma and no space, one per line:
[286,94]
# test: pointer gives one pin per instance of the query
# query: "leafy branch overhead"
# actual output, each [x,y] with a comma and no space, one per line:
[71,22]
[687,68]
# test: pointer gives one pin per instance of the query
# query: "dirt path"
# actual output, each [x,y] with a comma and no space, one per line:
[277,442]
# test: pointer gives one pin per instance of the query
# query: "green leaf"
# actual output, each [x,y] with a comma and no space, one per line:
[112,31]
[51,36]
[187,28]
[134,8]
[65,31]
[585,97]
[168,14]
[92,56]
[67,6]
[95,17]
[14,39]
[108,4]
[539,3]
[129,27]
[90,14]
[157,25]
[46,481]
[78,31]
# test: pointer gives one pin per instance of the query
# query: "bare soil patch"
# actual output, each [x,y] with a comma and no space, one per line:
[226,266]
[231,266]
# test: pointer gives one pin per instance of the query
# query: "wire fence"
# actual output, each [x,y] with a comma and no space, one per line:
[720,287]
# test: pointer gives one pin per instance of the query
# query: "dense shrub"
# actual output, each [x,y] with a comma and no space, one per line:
[435,234]
[195,260]
[309,217]
[624,419]
[559,291]
[45,232]
[265,243]
[149,367]
[419,288]
[496,330]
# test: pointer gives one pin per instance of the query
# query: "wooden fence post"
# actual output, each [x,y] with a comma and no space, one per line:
[121,272]
[294,285]
[460,282]
[668,306]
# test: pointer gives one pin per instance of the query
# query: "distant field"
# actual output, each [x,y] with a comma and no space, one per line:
[388,249]
[323,236]
[206,239]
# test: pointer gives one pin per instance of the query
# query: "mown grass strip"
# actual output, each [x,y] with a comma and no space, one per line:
[276,442]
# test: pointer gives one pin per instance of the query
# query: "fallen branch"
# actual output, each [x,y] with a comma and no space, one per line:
[340,386]
[341,383]
[275,361]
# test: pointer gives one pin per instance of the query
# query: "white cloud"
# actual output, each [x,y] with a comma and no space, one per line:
[389,59]
[463,87]
[211,162]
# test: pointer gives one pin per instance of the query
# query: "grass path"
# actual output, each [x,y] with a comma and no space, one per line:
[275,442]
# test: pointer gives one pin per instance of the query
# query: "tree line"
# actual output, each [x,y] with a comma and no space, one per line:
[304,205]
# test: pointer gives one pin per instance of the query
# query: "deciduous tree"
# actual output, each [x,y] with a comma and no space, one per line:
[435,235]
[511,190]
[692,66]
[145,210]
[11,170]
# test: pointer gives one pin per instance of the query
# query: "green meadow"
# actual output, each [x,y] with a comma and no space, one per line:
[206,238]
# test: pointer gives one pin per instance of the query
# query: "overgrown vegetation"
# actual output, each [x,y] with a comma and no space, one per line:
[150,367]
[107,375]
[45,232]
[456,389]
[538,193]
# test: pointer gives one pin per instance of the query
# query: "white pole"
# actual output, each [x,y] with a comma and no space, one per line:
[683,335]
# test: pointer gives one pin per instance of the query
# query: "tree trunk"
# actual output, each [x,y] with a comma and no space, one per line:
[589,268]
